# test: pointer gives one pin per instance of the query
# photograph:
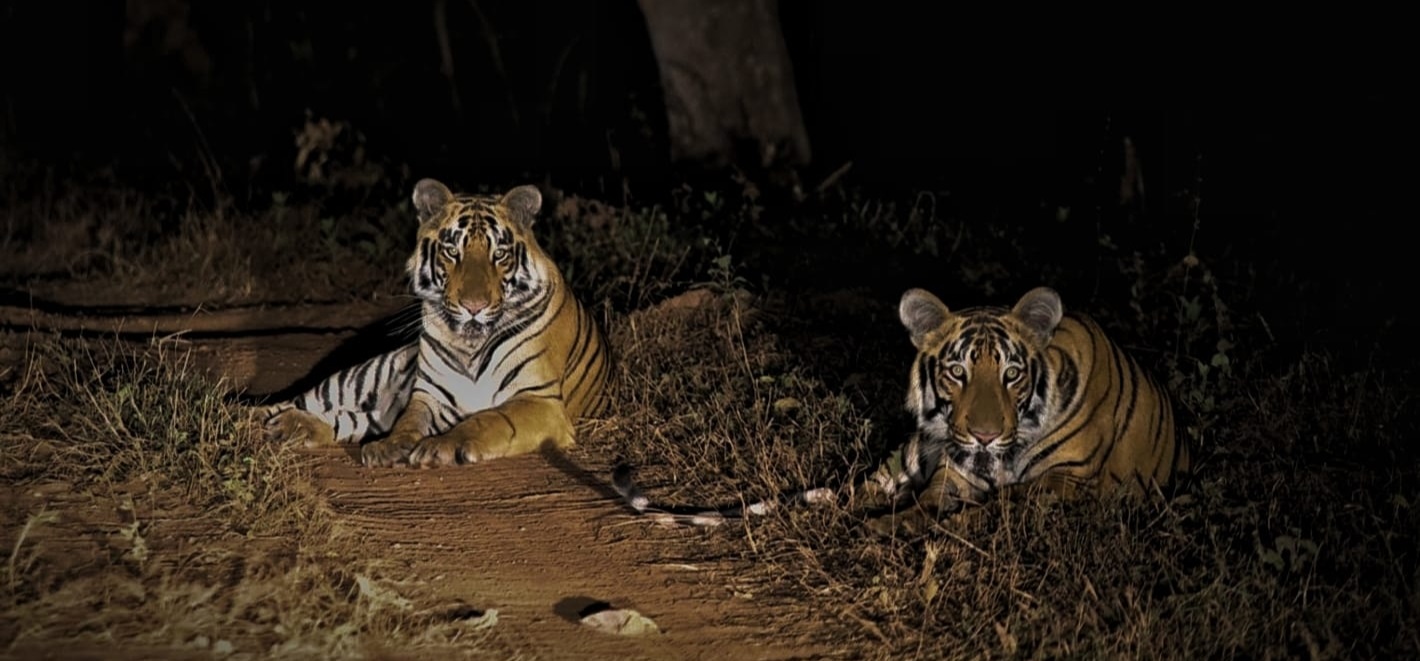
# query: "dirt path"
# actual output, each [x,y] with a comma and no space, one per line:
[523,537]
[534,538]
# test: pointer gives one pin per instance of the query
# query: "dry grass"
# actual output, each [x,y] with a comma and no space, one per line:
[149,510]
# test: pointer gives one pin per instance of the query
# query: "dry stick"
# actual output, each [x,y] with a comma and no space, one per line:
[833,178]
[872,628]
[40,517]
[962,540]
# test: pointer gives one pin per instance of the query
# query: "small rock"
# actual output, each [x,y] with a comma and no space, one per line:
[621,621]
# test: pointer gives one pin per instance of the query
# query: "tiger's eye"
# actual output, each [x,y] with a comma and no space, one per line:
[957,371]
[1013,373]
[499,254]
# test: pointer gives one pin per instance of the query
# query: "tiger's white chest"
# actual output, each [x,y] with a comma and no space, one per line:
[455,386]
[464,381]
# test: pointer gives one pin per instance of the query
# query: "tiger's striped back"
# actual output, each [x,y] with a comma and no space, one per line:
[1112,425]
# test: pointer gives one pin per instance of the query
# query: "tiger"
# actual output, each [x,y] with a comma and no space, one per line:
[1002,398]
[1020,397]
[506,361]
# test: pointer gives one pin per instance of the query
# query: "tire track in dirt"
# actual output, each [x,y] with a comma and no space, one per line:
[520,536]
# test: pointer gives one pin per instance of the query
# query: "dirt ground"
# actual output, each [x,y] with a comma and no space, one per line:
[521,537]
[538,539]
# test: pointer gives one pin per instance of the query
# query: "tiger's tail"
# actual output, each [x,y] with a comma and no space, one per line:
[621,480]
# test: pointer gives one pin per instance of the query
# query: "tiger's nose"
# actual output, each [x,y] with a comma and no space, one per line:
[474,305]
[985,436]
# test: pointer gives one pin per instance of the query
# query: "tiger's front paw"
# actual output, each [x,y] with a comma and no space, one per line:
[387,452]
[297,426]
[872,495]
[447,450]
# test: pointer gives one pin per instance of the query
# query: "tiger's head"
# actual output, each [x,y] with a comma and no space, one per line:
[476,258]
[979,383]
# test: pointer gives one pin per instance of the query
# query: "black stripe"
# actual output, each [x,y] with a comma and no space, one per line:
[579,341]
[327,394]
[513,373]
[1113,392]
[595,361]
[342,383]
[577,359]
[929,403]
[538,306]
[528,337]
[444,353]
[1073,463]
[597,386]
[447,419]
[370,390]
[1072,416]
[506,419]
[527,389]
[1122,425]
[448,396]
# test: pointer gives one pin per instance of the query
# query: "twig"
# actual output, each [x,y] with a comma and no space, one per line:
[833,178]
[40,517]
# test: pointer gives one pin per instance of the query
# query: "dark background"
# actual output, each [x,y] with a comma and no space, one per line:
[1295,128]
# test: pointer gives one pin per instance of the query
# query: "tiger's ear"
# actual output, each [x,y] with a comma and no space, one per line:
[1040,310]
[921,313]
[524,201]
[430,196]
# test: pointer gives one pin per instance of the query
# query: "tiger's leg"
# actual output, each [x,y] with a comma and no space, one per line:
[413,424]
[348,406]
[517,426]
[907,468]
[946,492]
[298,426]
[888,483]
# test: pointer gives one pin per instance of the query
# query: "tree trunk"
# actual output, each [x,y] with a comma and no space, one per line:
[727,79]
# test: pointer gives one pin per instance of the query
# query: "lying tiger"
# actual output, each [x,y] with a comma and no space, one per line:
[507,358]
[1003,397]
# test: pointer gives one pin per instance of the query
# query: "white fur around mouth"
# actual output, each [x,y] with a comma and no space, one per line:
[461,317]
[486,318]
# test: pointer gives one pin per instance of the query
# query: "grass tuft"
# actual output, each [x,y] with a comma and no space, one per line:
[185,528]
